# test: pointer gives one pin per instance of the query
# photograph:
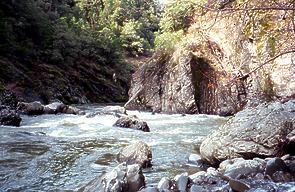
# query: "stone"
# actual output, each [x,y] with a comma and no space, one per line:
[9,117]
[132,123]
[164,184]
[53,108]
[135,178]
[243,168]
[195,159]
[149,189]
[253,132]
[238,186]
[275,164]
[122,178]
[182,181]
[33,108]
[136,153]
[114,110]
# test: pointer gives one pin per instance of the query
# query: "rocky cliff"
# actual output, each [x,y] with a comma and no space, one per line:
[216,69]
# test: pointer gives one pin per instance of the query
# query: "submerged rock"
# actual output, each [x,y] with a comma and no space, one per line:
[253,132]
[133,123]
[9,117]
[114,110]
[136,153]
[121,179]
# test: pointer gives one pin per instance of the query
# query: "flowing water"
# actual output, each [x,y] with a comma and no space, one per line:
[64,152]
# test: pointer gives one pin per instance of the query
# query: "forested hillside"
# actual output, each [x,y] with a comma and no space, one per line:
[73,50]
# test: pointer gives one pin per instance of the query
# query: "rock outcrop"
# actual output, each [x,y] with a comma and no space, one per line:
[122,178]
[216,71]
[189,82]
[254,132]
[132,122]
[136,153]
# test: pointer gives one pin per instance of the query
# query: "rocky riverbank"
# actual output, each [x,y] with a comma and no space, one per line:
[252,151]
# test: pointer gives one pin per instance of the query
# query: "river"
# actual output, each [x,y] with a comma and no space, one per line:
[65,152]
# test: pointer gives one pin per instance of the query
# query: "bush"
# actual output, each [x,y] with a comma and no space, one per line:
[167,41]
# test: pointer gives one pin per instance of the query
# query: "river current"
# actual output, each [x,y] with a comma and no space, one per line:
[65,152]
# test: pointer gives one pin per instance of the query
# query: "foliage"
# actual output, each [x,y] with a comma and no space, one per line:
[167,41]
[177,15]
[131,41]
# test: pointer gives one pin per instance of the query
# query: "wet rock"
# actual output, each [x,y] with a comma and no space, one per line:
[73,110]
[9,117]
[195,159]
[136,153]
[242,168]
[33,108]
[36,108]
[122,178]
[274,165]
[164,184]
[181,181]
[253,132]
[53,108]
[238,186]
[132,123]
[114,110]
[209,177]
[150,189]
[282,176]
[135,178]
[197,188]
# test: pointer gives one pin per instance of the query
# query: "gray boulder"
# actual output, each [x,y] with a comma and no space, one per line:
[132,123]
[164,184]
[253,132]
[36,108]
[136,153]
[121,179]
[114,110]
[238,167]
[33,108]
[182,181]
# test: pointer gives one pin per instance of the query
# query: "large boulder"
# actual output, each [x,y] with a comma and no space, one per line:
[132,122]
[139,153]
[122,178]
[36,108]
[253,132]
[33,108]
[9,117]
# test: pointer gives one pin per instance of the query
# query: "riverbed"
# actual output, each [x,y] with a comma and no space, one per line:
[64,152]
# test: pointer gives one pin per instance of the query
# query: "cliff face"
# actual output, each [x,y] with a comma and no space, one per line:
[191,81]
[217,71]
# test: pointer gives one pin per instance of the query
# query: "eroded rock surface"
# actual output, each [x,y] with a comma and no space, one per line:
[139,153]
[253,132]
